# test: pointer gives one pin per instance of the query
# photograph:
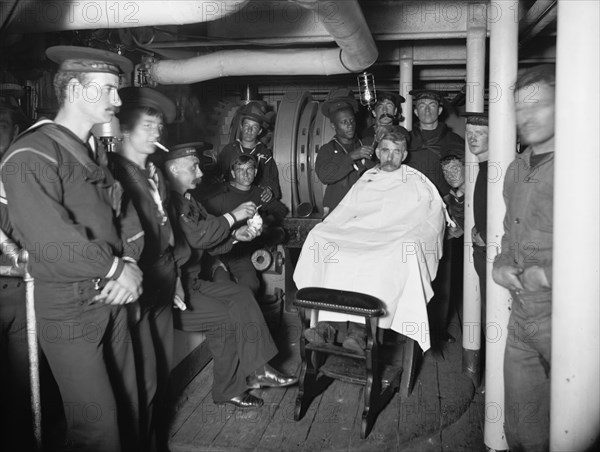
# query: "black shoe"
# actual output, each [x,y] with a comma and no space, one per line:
[270,378]
[245,400]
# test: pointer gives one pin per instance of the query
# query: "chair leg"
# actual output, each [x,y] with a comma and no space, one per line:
[410,361]
[310,384]
[372,388]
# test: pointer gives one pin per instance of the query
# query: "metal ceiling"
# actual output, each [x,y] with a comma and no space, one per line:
[436,30]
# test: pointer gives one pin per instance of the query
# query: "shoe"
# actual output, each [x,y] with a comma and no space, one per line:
[244,400]
[323,333]
[356,338]
[270,378]
[355,343]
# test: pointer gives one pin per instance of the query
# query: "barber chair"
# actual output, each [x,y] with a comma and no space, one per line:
[321,363]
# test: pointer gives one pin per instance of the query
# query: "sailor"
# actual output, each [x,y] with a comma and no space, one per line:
[342,161]
[142,117]
[237,334]
[64,207]
[386,111]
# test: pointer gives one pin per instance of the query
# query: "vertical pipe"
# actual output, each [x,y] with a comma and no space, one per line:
[504,27]
[406,84]
[476,36]
[575,392]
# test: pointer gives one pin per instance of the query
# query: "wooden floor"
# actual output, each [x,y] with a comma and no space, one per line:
[443,413]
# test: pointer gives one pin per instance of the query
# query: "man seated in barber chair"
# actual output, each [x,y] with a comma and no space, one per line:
[384,239]
[238,190]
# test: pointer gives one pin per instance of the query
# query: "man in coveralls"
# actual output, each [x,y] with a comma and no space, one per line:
[64,210]
[237,333]
[524,265]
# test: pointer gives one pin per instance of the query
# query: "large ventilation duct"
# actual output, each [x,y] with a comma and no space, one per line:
[32,16]
[357,51]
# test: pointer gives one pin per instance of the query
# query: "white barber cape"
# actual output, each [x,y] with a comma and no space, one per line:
[384,239]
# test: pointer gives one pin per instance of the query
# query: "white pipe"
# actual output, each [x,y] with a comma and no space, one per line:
[502,145]
[476,37]
[575,370]
[344,21]
[41,16]
[228,63]
[406,84]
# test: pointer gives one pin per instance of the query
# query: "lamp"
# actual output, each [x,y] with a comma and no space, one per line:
[366,89]
[109,134]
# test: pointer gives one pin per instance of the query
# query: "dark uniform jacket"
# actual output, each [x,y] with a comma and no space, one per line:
[480,200]
[157,261]
[197,231]
[336,169]
[156,225]
[65,209]
[428,147]
[456,207]
[267,176]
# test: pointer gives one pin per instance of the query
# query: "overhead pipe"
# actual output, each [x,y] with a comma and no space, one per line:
[347,25]
[33,16]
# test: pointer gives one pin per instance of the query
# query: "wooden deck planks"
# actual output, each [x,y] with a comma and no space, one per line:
[332,422]
[188,400]
[336,419]
[284,433]
[244,429]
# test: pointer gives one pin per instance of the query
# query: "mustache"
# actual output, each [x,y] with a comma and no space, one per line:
[386,115]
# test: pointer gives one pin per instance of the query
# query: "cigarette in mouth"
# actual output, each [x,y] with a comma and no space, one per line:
[160,146]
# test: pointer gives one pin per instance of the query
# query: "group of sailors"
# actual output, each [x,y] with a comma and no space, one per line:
[131,242]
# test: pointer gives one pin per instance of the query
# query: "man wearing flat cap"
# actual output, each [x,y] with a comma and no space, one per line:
[64,207]
[253,121]
[237,334]
[141,116]
[431,141]
[476,134]
[342,161]
[386,111]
